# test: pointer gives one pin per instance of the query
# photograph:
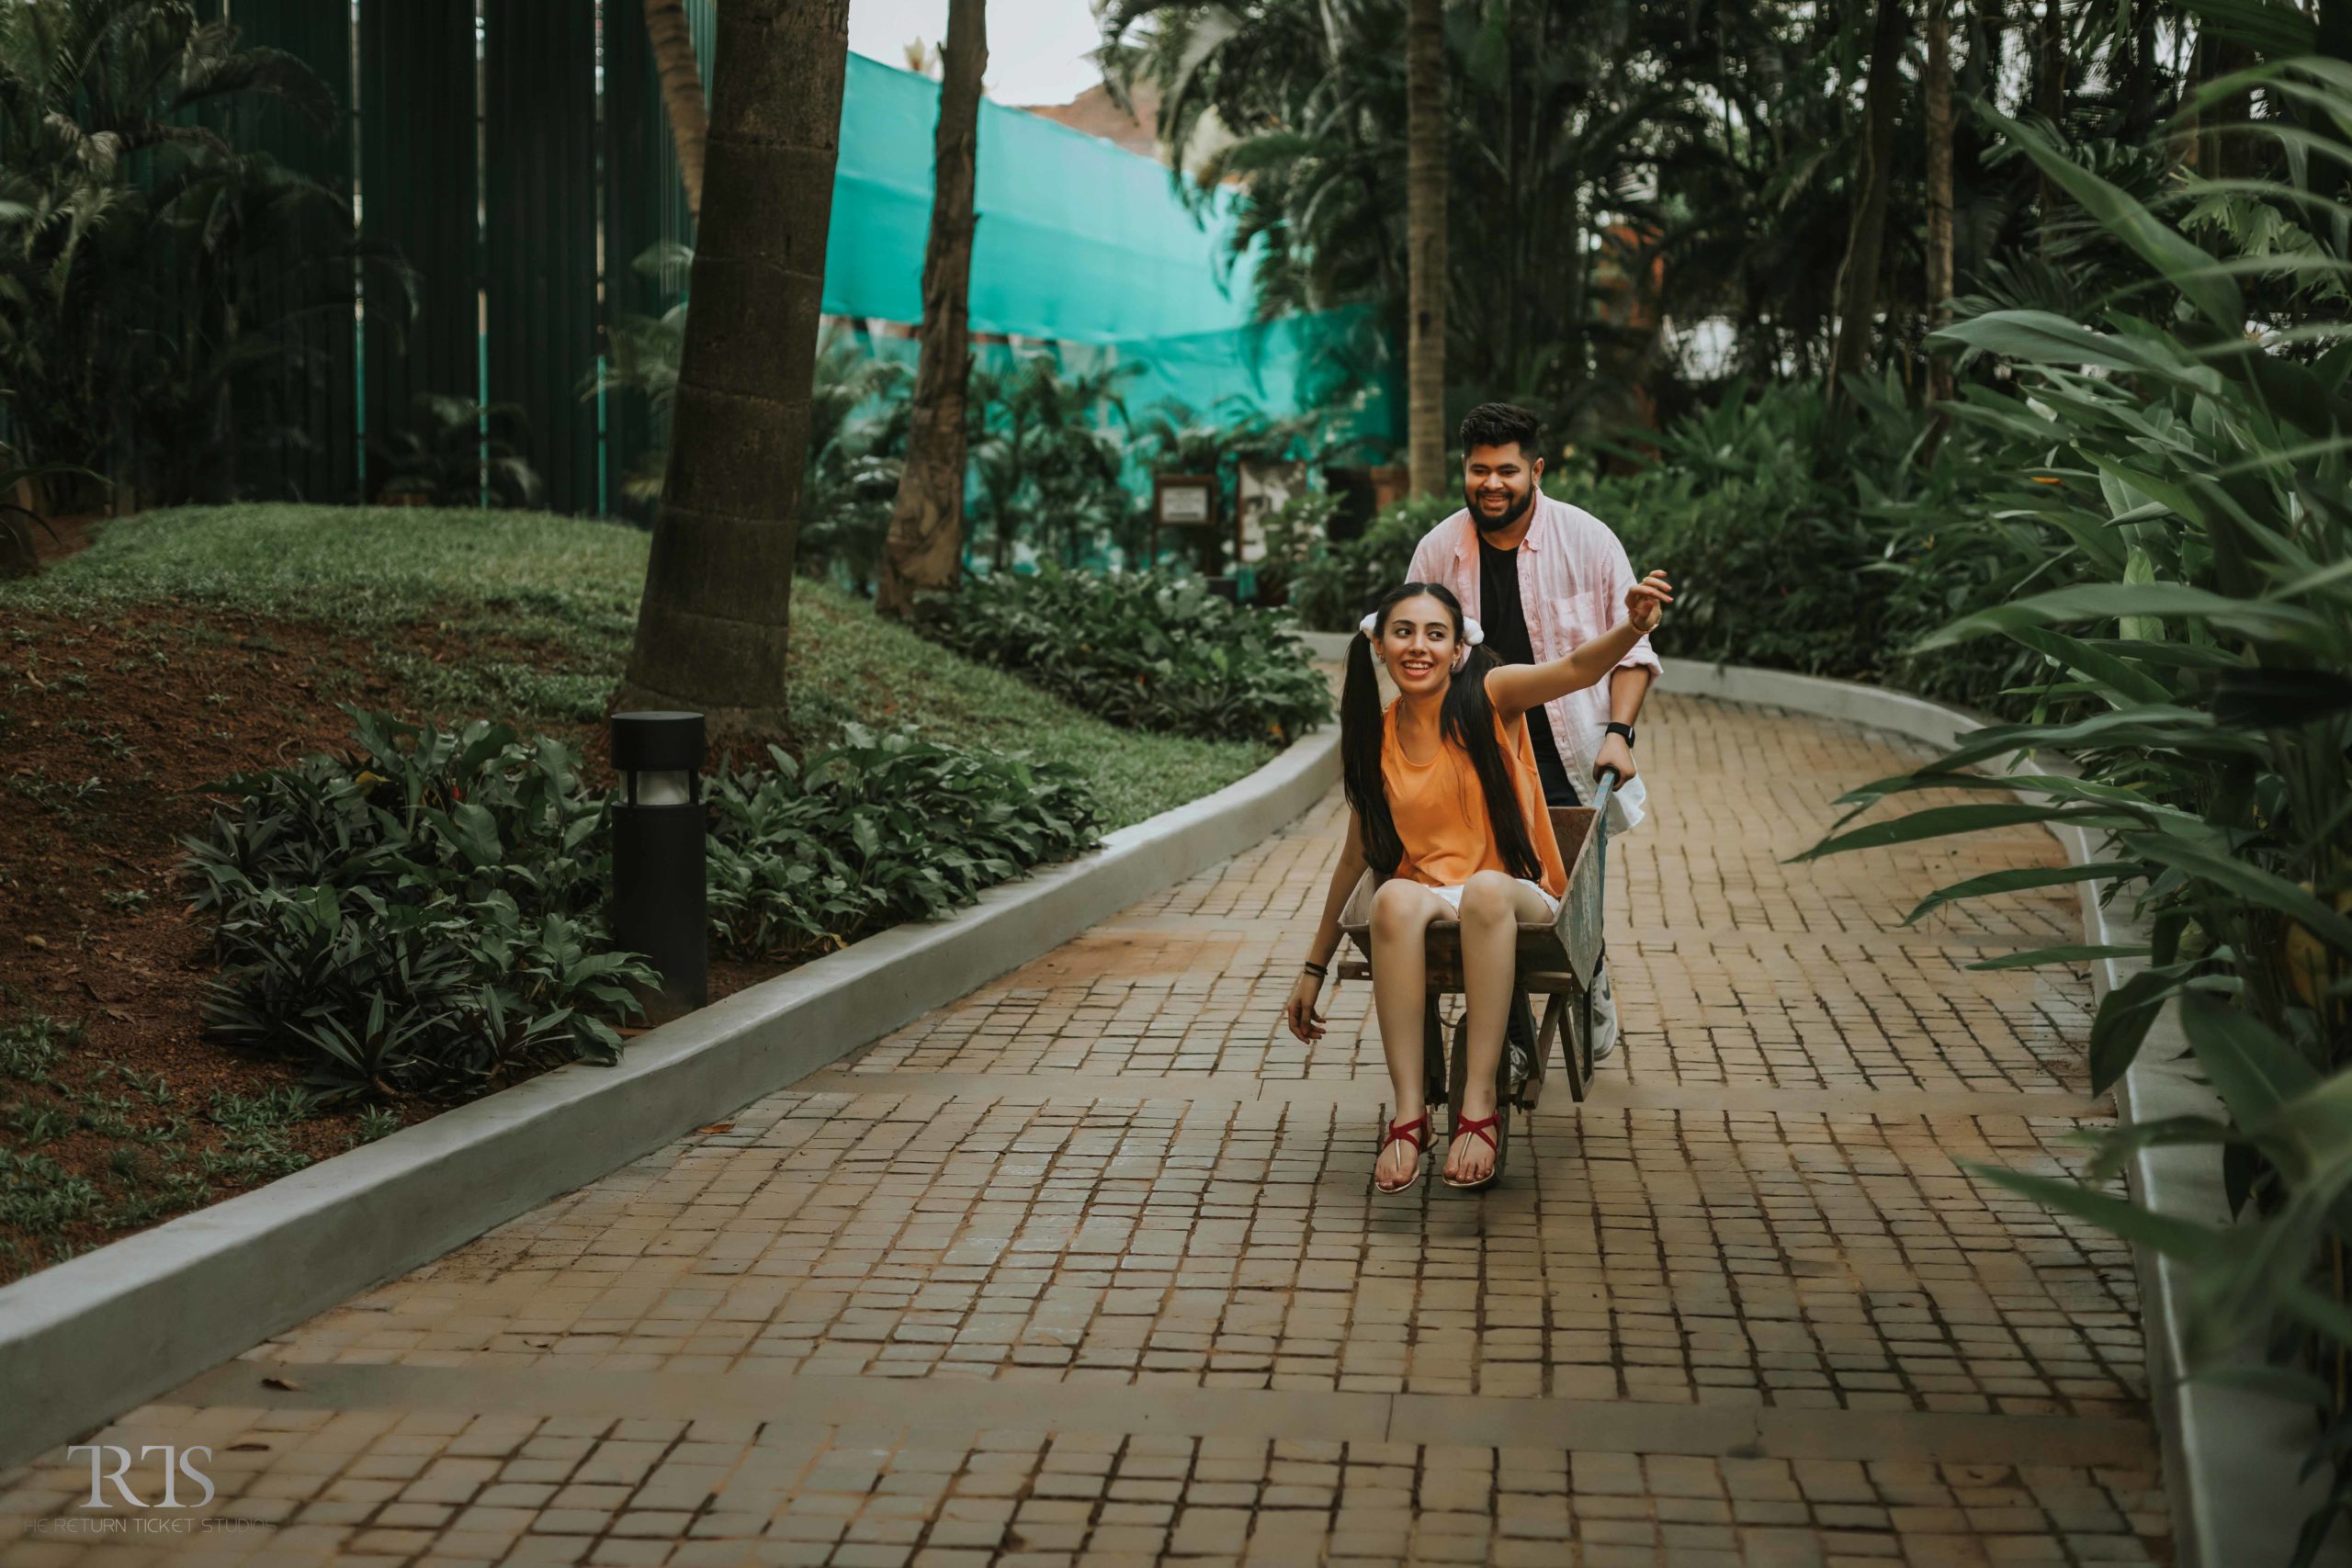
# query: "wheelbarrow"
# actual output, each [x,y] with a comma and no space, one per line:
[1560,962]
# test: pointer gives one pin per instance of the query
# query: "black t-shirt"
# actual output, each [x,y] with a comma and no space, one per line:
[1504,620]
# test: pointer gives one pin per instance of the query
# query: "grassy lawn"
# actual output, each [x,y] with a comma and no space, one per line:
[531,615]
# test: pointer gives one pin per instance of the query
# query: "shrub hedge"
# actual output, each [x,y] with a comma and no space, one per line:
[1148,650]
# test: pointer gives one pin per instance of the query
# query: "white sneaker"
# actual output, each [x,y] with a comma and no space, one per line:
[1605,1019]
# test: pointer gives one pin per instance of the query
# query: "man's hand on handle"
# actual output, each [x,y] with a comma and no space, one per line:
[1615,754]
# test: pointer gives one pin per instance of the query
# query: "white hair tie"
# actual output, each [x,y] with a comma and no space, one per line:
[1371,624]
[1472,632]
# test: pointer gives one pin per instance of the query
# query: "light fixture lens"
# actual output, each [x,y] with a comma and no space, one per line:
[665,788]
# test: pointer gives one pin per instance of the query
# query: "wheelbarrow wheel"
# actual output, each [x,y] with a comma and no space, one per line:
[1458,1078]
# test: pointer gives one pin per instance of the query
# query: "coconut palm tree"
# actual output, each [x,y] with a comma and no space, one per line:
[1427,126]
[714,624]
[681,77]
[924,553]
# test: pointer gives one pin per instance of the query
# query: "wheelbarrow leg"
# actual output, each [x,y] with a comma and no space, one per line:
[1434,1079]
[1532,1092]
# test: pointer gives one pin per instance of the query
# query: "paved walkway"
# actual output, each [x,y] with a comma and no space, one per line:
[1085,1269]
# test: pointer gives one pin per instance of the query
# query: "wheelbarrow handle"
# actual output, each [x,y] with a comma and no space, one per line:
[1609,779]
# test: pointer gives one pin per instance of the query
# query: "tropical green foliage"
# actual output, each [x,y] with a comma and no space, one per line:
[1048,453]
[1144,649]
[456,452]
[420,916]
[880,830]
[2198,677]
[1825,539]
[1612,168]
[1339,580]
[153,275]
[425,915]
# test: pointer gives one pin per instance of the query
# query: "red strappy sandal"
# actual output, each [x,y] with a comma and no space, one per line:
[1416,1132]
[1477,1127]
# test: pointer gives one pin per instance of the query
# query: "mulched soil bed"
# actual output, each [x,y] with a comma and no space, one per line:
[108,730]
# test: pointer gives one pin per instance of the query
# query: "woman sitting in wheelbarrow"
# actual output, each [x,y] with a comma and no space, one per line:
[1444,801]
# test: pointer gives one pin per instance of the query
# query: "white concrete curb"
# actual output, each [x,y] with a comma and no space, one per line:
[2232,1457]
[93,1336]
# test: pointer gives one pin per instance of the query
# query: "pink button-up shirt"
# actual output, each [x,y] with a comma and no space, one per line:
[1573,575]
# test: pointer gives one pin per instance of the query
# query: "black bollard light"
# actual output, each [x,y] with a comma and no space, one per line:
[661,901]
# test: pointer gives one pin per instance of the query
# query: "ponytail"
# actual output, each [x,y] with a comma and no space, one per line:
[1466,718]
[1362,730]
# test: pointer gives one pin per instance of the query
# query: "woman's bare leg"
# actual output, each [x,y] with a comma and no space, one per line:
[1401,913]
[1493,905]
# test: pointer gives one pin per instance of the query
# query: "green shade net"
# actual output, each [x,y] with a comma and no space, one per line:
[1083,245]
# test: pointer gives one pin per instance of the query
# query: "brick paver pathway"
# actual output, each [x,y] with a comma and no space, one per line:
[1086,1270]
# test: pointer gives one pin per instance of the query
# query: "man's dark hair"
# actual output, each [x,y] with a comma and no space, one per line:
[1500,425]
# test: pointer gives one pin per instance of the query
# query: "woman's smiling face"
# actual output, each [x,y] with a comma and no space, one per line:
[1418,643]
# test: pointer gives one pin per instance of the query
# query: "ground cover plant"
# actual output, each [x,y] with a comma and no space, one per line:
[1146,650]
[92,1147]
[881,829]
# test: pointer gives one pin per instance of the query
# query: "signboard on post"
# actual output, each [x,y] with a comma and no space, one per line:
[1187,502]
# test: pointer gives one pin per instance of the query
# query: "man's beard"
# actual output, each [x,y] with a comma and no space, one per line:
[1511,513]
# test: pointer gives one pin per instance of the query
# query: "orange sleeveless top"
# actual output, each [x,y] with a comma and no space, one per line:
[1440,811]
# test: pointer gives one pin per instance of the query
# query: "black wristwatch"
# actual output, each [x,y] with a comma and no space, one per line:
[1613,728]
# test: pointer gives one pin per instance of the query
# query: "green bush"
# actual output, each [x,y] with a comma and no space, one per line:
[1332,588]
[1145,649]
[425,915]
[1810,538]
[420,917]
[878,830]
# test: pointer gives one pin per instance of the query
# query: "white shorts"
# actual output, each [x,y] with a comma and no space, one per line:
[1453,896]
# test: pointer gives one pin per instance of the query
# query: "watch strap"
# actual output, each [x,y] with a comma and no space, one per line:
[1613,728]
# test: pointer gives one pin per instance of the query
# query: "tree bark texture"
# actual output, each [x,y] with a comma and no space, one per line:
[1940,132]
[681,77]
[713,625]
[2049,99]
[924,551]
[1425,286]
[1865,240]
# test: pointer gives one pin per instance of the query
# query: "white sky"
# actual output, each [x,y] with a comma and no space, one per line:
[1037,49]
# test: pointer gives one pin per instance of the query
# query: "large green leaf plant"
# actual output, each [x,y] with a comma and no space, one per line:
[2195,708]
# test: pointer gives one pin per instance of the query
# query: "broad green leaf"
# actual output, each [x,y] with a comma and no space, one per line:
[2254,1071]
[2249,882]
[2077,952]
[2179,258]
[1940,822]
[2173,1237]
[2021,880]
[2124,1017]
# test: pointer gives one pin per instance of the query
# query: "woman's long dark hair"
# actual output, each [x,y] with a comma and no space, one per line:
[1466,718]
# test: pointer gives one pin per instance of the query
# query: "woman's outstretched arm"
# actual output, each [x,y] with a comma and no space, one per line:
[1515,688]
[1299,1012]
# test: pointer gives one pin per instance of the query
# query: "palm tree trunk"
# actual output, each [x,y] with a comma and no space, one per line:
[713,625]
[925,547]
[681,74]
[1425,172]
[1939,91]
[1857,281]
[2049,99]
